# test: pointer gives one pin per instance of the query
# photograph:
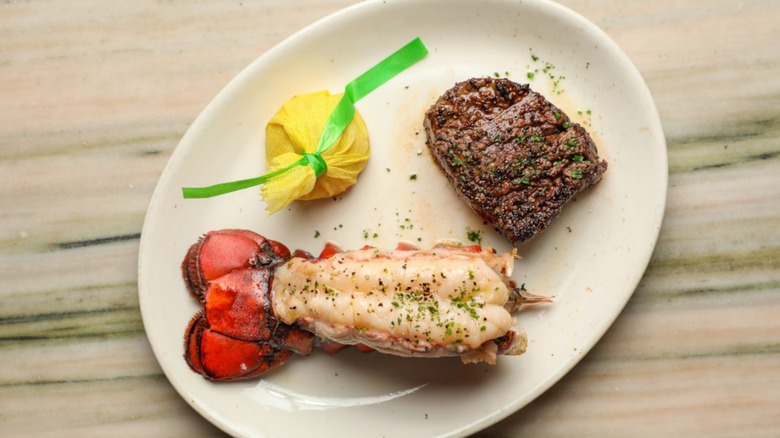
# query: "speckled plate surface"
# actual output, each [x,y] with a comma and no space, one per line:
[591,258]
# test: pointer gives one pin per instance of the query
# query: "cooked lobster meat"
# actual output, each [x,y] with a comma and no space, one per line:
[262,303]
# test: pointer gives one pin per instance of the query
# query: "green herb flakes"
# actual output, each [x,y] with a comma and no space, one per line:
[474,235]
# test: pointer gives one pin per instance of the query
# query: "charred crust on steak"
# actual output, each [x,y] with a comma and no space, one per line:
[514,157]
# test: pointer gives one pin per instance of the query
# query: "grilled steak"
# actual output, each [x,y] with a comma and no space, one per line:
[514,157]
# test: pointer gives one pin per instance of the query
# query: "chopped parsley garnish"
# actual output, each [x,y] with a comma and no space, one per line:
[474,235]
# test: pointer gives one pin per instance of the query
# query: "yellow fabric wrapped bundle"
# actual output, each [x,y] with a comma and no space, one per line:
[296,129]
[317,144]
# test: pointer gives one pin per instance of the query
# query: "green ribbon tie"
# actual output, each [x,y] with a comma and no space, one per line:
[339,119]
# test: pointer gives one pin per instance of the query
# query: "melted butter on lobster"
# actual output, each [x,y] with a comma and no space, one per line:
[262,303]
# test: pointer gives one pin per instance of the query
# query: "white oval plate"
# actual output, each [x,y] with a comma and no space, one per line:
[591,258]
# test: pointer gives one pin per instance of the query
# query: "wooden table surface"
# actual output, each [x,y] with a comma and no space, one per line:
[94,97]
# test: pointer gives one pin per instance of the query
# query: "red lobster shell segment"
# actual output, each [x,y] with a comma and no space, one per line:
[236,335]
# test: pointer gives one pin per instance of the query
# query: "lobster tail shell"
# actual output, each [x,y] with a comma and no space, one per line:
[219,357]
[192,337]
[236,335]
[223,251]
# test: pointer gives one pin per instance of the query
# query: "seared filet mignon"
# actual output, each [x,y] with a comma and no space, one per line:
[514,157]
